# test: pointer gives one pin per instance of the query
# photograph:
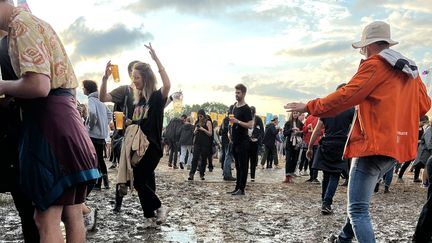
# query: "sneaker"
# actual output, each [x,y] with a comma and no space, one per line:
[326,210]
[252,179]
[149,223]
[161,214]
[190,178]
[238,193]
[202,178]
[90,220]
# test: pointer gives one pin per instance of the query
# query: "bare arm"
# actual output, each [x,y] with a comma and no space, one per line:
[164,76]
[103,95]
[29,86]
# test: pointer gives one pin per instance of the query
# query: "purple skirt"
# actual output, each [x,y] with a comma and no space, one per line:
[56,152]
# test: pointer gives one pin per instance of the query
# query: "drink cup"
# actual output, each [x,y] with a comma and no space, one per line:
[119,118]
[115,73]
[230,117]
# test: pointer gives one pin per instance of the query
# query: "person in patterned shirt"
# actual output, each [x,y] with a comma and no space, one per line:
[57,157]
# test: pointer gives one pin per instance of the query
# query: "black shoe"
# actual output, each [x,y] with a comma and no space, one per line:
[238,193]
[106,181]
[417,180]
[202,178]
[376,187]
[229,179]
[210,169]
[181,166]
[326,210]
[190,178]
[231,192]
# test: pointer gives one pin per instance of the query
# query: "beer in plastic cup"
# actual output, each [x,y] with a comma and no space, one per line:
[119,118]
[231,116]
[115,72]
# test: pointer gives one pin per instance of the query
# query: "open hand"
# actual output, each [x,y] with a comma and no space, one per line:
[300,107]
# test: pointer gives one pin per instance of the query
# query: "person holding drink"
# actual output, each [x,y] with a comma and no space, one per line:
[149,103]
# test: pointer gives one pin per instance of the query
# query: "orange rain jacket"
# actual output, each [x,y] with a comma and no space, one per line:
[389,105]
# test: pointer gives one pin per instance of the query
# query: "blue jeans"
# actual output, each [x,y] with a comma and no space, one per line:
[364,174]
[329,185]
[227,163]
[388,177]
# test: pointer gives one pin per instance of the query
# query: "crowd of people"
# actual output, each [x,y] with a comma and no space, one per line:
[55,148]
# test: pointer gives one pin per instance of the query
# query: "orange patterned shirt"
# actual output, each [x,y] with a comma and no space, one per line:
[35,47]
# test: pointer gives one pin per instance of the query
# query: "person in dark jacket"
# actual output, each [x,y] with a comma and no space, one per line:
[293,137]
[223,133]
[269,143]
[172,135]
[186,142]
[256,135]
[9,170]
[329,155]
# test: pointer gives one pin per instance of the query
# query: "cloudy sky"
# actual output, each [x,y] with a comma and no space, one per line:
[282,50]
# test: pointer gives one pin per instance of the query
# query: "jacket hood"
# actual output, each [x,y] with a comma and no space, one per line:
[400,62]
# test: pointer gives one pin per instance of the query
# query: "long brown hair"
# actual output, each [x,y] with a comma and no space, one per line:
[149,81]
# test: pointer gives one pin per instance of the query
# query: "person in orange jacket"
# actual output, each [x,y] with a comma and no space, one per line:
[390,98]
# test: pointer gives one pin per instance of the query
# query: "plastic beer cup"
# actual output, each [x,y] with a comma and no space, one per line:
[115,72]
[119,118]
[231,116]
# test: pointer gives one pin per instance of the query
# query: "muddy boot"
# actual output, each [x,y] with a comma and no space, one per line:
[288,179]
[105,181]
[118,199]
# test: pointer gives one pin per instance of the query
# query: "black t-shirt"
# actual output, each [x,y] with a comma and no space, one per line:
[239,133]
[151,124]
[118,98]
[339,125]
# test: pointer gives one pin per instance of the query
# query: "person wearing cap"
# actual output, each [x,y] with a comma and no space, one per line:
[269,142]
[386,83]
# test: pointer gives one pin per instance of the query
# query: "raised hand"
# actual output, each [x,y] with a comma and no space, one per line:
[151,51]
[108,71]
[300,107]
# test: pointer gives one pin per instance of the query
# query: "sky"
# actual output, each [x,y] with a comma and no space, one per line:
[283,51]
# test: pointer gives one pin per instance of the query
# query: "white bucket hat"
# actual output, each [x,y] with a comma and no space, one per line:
[374,32]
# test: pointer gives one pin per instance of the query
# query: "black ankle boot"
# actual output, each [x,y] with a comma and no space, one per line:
[105,181]
[118,200]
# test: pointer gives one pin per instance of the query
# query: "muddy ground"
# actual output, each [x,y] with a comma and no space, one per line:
[270,211]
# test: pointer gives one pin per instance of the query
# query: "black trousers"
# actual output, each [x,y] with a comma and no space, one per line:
[200,153]
[241,157]
[291,158]
[253,157]
[26,213]
[313,173]
[99,145]
[423,232]
[145,183]
[417,169]
[173,154]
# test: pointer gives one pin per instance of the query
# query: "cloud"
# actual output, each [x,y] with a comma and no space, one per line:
[323,48]
[91,43]
[196,7]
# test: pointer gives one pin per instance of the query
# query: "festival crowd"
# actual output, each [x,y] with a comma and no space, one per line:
[54,149]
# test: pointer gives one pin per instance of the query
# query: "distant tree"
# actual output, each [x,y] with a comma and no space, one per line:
[188,109]
[214,107]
